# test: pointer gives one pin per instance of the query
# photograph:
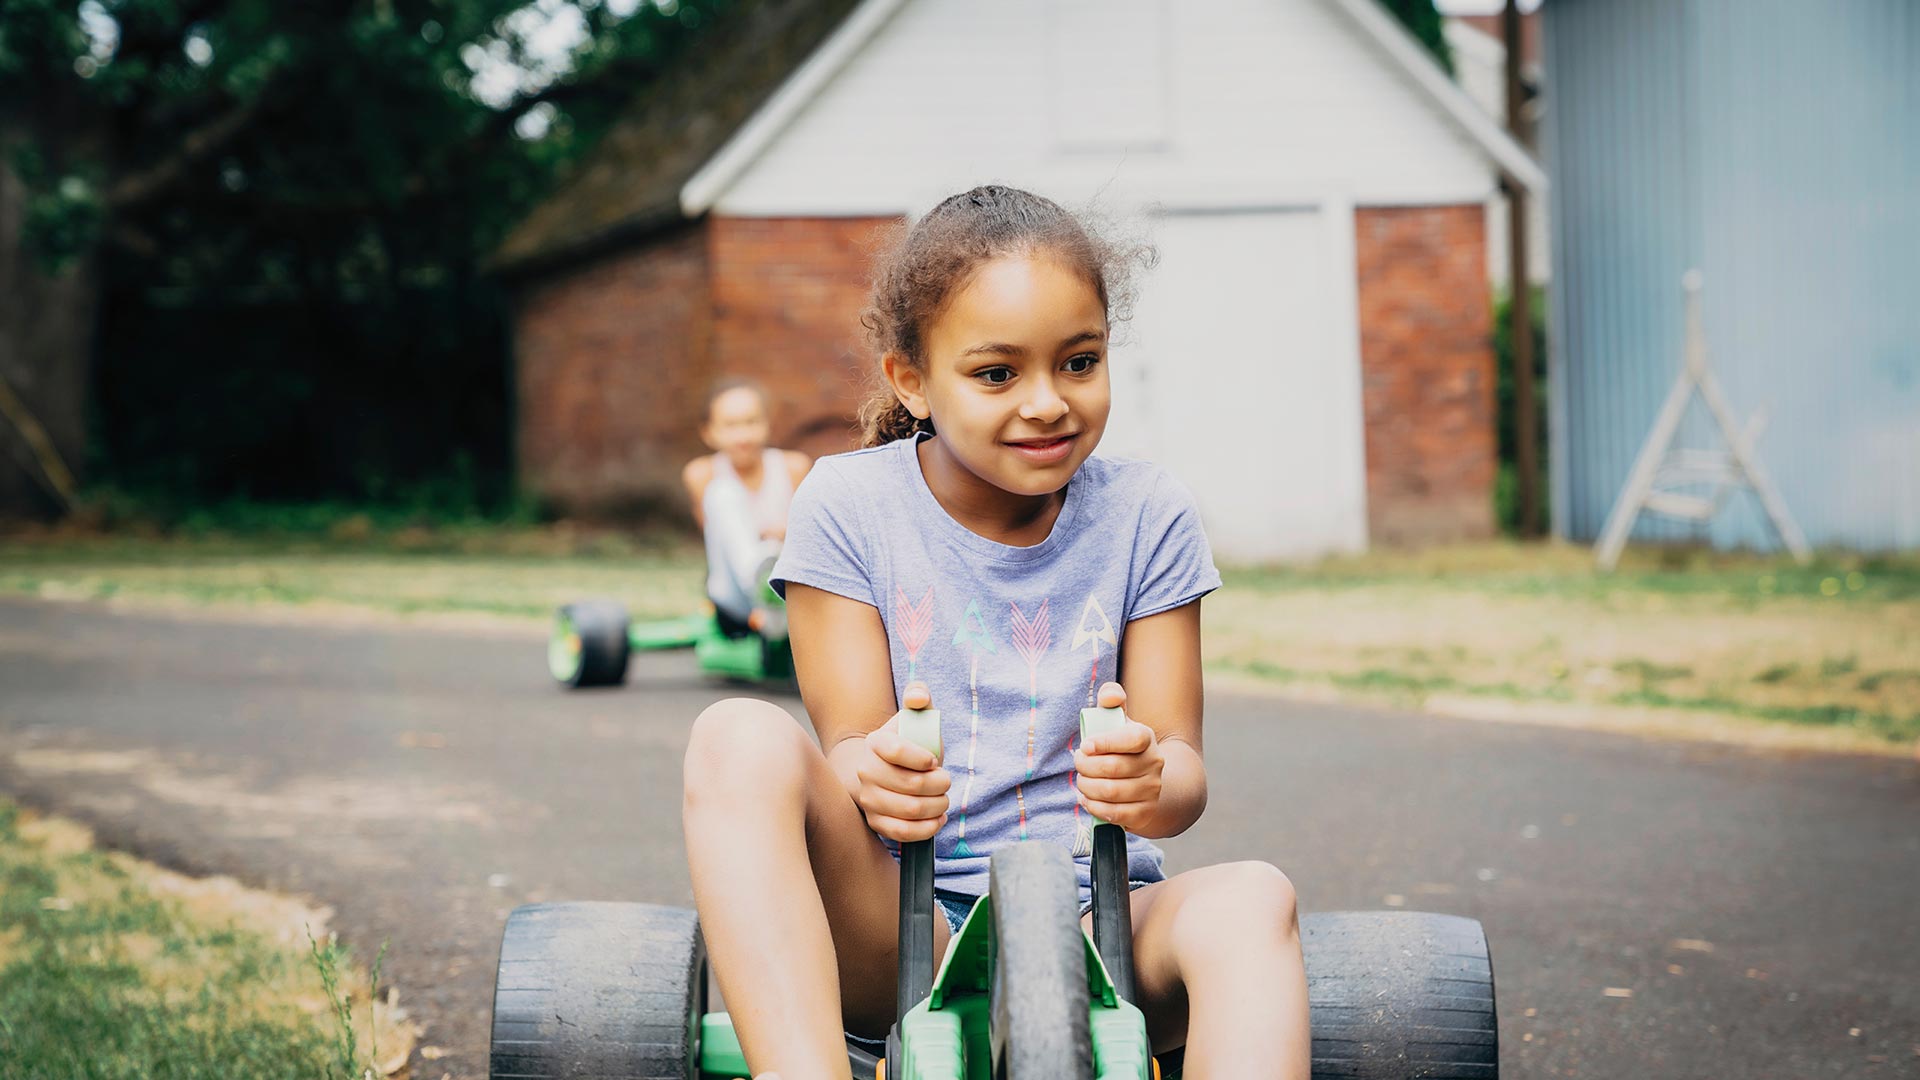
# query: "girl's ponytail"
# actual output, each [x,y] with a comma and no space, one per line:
[883,419]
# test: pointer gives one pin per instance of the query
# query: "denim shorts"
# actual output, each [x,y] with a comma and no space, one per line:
[955,906]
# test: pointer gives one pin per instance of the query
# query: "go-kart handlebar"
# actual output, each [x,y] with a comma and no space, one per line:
[919,724]
[1112,909]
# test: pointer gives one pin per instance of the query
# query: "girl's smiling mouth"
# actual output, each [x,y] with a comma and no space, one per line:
[1044,451]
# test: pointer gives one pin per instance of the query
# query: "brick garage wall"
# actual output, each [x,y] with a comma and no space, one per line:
[1427,372]
[613,362]
[787,295]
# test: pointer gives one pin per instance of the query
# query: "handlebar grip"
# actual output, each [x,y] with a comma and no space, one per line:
[921,727]
[1099,722]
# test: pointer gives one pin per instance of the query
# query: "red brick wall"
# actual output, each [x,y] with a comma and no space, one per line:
[787,295]
[1427,372]
[613,362]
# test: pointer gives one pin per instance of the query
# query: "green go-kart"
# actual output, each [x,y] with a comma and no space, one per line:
[619,990]
[593,639]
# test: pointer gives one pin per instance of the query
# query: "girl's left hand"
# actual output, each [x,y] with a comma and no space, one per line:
[1119,771]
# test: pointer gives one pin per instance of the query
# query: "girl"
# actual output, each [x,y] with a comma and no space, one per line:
[740,495]
[978,547]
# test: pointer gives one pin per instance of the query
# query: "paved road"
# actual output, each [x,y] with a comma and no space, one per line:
[1763,909]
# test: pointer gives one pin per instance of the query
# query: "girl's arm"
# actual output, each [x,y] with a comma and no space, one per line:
[846,679]
[1160,668]
[695,477]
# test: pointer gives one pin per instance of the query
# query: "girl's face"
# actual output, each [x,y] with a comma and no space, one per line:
[1016,374]
[737,426]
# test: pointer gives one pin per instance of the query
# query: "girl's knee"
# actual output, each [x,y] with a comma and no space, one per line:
[1260,886]
[745,744]
[1232,900]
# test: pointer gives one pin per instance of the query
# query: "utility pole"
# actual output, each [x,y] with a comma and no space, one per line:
[1526,421]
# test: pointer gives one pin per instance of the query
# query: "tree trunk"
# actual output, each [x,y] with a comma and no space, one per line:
[46,352]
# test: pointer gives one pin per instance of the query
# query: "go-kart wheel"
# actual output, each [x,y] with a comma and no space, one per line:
[1397,994]
[589,644]
[1039,994]
[604,990]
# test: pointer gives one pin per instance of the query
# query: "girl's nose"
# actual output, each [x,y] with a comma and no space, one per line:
[1044,406]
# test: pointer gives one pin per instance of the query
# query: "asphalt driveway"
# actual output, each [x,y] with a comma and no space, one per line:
[1655,908]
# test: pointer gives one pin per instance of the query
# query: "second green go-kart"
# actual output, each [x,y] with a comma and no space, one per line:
[593,639]
[619,990]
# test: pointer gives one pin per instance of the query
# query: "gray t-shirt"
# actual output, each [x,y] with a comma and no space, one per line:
[1013,641]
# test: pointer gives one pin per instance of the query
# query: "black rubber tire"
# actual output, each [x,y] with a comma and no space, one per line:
[1399,994]
[1039,995]
[605,990]
[602,628]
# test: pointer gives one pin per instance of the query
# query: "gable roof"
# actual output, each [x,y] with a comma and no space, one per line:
[733,94]
[630,183]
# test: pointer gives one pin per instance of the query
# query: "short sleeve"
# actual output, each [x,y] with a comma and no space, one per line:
[1172,559]
[823,547]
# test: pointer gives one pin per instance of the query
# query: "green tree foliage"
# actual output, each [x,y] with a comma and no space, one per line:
[1423,19]
[289,205]
[1506,497]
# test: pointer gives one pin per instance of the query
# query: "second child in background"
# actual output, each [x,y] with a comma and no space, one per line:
[740,495]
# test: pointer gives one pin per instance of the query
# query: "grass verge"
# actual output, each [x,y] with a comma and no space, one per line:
[111,968]
[1694,636]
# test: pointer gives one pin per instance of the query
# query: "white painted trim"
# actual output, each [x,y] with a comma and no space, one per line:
[1400,46]
[719,172]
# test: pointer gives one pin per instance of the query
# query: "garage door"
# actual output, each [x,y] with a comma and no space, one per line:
[1241,375]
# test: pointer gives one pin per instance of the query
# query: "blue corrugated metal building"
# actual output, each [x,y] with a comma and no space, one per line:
[1775,145]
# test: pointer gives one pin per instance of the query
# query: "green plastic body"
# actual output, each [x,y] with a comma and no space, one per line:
[946,1037]
[750,658]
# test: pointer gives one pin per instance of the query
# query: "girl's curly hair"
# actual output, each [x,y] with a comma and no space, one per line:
[926,264]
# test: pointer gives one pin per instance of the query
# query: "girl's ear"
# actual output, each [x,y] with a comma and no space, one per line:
[909,384]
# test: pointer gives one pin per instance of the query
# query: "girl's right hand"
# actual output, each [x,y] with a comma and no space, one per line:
[903,789]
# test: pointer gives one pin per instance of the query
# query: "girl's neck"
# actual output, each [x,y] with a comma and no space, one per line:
[749,474]
[983,509]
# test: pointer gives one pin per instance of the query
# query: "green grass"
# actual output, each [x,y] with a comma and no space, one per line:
[102,979]
[514,575]
[1403,688]
[1568,572]
[1741,636]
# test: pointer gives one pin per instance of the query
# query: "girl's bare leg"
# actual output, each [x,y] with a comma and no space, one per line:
[798,899]
[1217,966]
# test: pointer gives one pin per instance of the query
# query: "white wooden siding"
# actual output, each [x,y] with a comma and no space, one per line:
[1261,96]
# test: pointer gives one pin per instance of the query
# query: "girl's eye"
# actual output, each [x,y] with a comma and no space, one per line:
[994,376]
[1083,363]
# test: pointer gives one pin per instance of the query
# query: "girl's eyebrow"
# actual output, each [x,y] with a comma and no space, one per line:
[994,348]
[1001,348]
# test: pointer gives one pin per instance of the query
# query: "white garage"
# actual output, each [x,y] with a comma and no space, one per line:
[1312,354]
